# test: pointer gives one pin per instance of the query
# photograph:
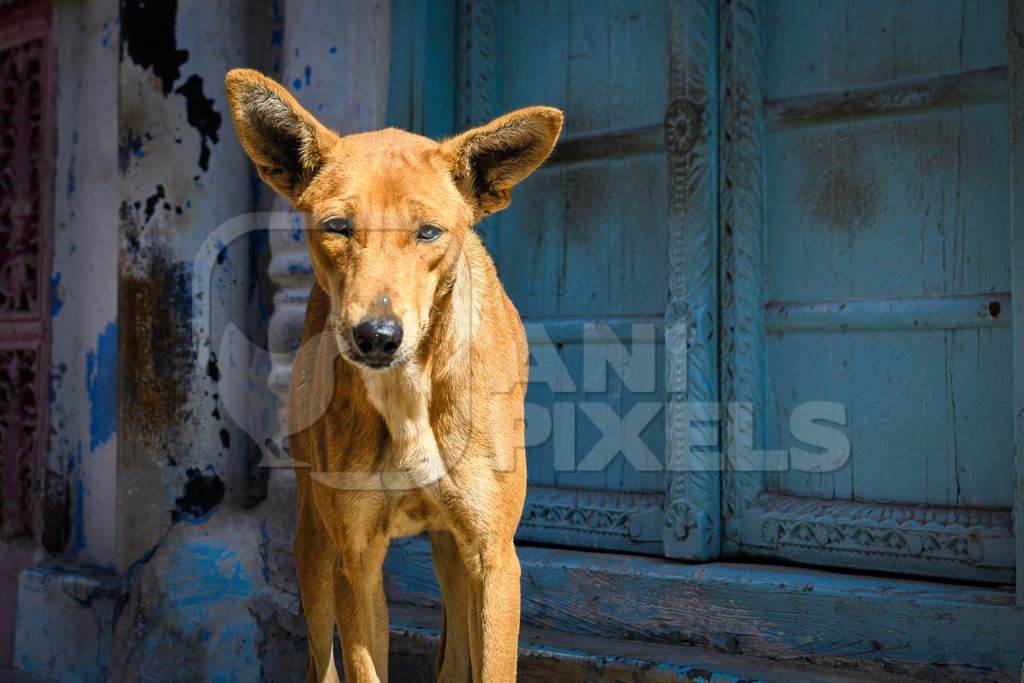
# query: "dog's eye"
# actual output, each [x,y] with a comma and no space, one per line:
[428,233]
[339,226]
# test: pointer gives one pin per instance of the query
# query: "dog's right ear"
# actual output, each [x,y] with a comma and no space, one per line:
[285,142]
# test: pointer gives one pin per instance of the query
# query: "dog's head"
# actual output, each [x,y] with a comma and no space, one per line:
[388,211]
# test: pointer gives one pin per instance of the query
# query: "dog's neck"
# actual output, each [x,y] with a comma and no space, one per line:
[402,394]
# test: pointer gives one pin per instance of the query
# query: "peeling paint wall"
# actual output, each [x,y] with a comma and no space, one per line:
[185,542]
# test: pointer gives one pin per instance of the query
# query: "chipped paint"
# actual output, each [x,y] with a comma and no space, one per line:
[152,201]
[56,303]
[203,492]
[147,36]
[201,116]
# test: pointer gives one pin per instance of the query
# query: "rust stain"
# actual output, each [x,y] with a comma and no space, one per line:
[156,345]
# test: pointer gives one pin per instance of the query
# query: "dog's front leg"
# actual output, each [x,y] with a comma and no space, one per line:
[453,662]
[494,613]
[315,560]
[361,613]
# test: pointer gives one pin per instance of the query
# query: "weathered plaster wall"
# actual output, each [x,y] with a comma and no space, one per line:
[172,561]
[83,417]
[179,183]
[186,543]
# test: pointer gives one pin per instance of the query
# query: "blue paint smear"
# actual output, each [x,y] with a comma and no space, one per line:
[333,50]
[205,593]
[101,383]
[55,301]
[308,72]
[277,37]
[298,84]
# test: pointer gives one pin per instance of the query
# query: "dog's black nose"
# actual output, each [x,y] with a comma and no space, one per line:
[378,338]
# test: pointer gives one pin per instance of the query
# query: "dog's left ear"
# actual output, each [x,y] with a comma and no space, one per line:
[487,161]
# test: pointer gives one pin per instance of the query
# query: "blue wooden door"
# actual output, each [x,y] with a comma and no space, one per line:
[583,253]
[800,210]
[868,262]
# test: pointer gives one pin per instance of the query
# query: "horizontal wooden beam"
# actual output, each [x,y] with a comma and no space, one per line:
[608,144]
[985,310]
[972,87]
[926,540]
[572,330]
[783,613]
[608,520]
[21,334]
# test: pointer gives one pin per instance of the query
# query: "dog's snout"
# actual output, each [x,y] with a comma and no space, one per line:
[378,338]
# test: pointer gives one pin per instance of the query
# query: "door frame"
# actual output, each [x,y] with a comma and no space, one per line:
[1016,103]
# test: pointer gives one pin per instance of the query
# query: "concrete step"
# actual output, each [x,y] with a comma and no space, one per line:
[553,656]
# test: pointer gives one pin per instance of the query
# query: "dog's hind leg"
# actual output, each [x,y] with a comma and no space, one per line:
[361,612]
[315,560]
[453,661]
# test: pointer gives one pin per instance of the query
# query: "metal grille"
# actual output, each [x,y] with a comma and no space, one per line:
[20,150]
[25,118]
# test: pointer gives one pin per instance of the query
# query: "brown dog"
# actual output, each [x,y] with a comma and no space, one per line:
[406,401]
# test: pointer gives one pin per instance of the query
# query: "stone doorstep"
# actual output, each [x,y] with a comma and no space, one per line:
[14,676]
[64,603]
[64,623]
[554,656]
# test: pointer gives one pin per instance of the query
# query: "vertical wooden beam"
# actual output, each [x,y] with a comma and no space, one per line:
[1016,102]
[742,257]
[477,81]
[477,63]
[693,495]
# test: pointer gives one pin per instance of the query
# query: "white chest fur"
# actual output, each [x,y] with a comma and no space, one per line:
[402,397]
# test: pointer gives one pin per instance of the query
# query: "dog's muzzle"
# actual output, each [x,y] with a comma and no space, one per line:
[377,340]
